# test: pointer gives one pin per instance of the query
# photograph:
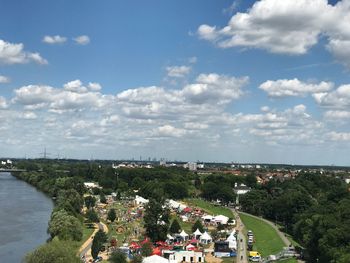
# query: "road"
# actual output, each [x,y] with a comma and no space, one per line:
[241,240]
[85,249]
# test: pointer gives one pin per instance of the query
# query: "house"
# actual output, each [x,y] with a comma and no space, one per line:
[241,189]
[186,256]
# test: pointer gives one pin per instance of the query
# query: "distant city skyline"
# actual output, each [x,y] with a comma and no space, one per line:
[246,81]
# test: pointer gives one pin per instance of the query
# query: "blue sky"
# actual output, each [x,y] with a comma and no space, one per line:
[244,81]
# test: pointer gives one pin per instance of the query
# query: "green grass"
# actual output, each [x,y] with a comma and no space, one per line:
[228,260]
[267,241]
[289,260]
[210,208]
[186,226]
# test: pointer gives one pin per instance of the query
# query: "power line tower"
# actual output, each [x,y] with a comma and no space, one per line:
[45,154]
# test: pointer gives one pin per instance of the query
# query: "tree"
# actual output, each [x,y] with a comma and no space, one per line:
[53,252]
[92,216]
[99,239]
[117,257]
[250,180]
[103,198]
[198,225]
[146,249]
[65,226]
[111,216]
[156,220]
[175,227]
[138,259]
[70,199]
[90,201]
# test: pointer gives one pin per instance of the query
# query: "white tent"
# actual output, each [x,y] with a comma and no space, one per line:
[173,204]
[139,200]
[232,241]
[207,218]
[155,259]
[197,234]
[184,235]
[170,237]
[206,238]
[221,219]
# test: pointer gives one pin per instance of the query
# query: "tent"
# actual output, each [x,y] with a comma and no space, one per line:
[183,235]
[206,238]
[170,237]
[155,259]
[157,251]
[139,200]
[221,219]
[190,247]
[197,234]
[207,218]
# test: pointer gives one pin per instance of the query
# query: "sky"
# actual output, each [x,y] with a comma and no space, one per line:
[204,80]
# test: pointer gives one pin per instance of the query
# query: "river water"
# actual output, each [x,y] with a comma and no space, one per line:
[24,214]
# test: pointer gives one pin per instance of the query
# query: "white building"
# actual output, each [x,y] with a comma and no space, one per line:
[186,256]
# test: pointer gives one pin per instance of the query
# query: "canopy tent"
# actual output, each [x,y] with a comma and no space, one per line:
[139,200]
[183,235]
[206,238]
[190,247]
[207,218]
[231,236]
[157,251]
[197,234]
[155,259]
[170,237]
[221,219]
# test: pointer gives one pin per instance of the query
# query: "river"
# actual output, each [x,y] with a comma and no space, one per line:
[24,214]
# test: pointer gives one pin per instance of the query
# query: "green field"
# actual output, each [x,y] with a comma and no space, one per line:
[267,241]
[289,260]
[210,208]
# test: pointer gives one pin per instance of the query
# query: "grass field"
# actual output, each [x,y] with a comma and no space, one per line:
[289,260]
[210,208]
[267,241]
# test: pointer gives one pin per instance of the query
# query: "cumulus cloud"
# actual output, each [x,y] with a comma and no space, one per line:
[3,103]
[82,40]
[293,87]
[169,131]
[339,98]
[286,27]
[73,96]
[214,88]
[178,71]
[339,136]
[4,79]
[11,53]
[54,39]
[336,115]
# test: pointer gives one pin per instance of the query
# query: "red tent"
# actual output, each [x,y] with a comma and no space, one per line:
[145,241]
[134,245]
[187,210]
[157,251]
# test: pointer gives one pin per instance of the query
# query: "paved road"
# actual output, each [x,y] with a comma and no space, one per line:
[241,240]
[87,245]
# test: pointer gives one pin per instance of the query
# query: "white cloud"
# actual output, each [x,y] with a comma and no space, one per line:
[28,115]
[14,54]
[82,40]
[293,87]
[214,88]
[339,98]
[4,79]
[94,86]
[286,27]
[178,71]
[54,39]
[3,103]
[339,136]
[336,115]
[74,96]
[169,131]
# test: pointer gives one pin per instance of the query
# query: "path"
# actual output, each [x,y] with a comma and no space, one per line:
[273,225]
[280,234]
[241,240]
[85,249]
